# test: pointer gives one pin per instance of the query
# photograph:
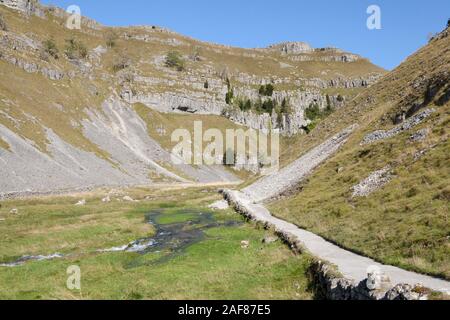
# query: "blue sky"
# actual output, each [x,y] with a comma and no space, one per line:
[252,23]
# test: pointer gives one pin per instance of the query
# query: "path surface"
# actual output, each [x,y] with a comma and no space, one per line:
[351,266]
[273,185]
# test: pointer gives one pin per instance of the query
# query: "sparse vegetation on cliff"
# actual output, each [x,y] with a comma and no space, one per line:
[111,38]
[267,90]
[3,25]
[175,60]
[50,48]
[75,49]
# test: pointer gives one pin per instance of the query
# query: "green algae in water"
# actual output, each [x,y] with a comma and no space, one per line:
[176,230]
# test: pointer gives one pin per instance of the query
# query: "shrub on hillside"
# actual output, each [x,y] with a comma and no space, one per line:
[313,112]
[75,49]
[175,60]
[121,63]
[229,96]
[50,48]
[3,25]
[267,90]
[195,55]
[111,38]
[268,106]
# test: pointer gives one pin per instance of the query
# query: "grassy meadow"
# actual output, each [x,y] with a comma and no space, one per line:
[214,265]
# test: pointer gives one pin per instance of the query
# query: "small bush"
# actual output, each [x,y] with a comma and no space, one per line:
[175,60]
[268,106]
[313,112]
[206,85]
[111,39]
[245,105]
[195,55]
[285,107]
[229,96]
[50,48]
[3,25]
[267,90]
[121,63]
[75,49]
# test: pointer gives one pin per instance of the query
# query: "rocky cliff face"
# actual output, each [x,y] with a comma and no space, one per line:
[56,84]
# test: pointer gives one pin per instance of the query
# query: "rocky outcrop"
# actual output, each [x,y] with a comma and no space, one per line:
[129,155]
[27,6]
[375,181]
[291,47]
[328,284]
[32,67]
[288,124]
[405,126]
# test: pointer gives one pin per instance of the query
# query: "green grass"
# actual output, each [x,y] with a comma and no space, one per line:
[406,223]
[215,267]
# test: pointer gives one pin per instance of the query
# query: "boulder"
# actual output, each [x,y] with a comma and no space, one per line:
[269,239]
[245,244]
[81,203]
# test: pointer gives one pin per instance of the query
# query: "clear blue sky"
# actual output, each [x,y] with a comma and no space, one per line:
[253,23]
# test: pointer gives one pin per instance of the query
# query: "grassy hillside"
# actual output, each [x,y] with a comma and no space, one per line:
[62,105]
[405,222]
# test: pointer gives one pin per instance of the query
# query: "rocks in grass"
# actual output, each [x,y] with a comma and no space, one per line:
[269,239]
[128,199]
[81,203]
[407,292]
[375,181]
[245,244]
[407,125]
[219,205]
[420,135]
[14,211]
[106,199]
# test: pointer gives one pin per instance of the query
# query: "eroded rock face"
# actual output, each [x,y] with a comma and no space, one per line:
[21,5]
[292,47]
[406,125]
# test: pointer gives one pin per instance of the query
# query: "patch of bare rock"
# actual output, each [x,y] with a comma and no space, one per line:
[407,125]
[375,181]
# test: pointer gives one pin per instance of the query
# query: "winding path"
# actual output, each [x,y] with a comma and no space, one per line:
[352,266]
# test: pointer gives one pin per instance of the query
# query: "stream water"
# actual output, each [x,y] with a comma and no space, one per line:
[174,232]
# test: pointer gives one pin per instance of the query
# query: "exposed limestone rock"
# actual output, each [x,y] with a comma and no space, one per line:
[128,199]
[269,239]
[81,203]
[195,102]
[375,181]
[245,244]
[332,286]
[420,135]
[219,205]
[407,292]
[26,6]
[291,47]
[407,125]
